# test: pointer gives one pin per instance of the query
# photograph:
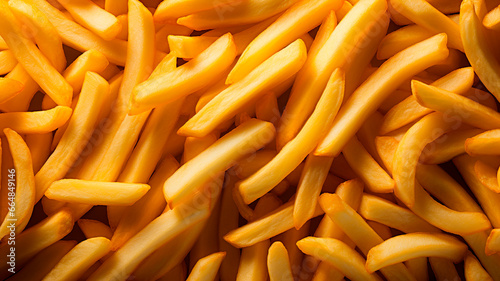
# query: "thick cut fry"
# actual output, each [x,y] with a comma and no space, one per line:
[40,265]
[467,110]
[424,14]
[96,193]
[358,230]
[478,49]
[38,122]
[474,271]
[409,110]
[377,209]
[414,245]
[375,178]
[38,237]
[161,230]
[367,98]
[443,269]
[21,101]
[235,13]
[483,144]
[493,242]
[295,151]
[245,139]
[333,53]
[21,185]
[190,77]
[446,147]
[9,88]
[401,39]
[253,265]
[206,268]
[93,228]
[74,264]
[33,61]
[278,263]
[492,19]
[90,60]
[487,175]
[337,253]
[7,61]
[230,101]
[297,20]
[76,135]
[43,31]
[174,9]
[311,182]
[93,17]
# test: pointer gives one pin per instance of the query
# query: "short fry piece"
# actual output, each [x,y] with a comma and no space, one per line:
[487,175]
[96,193]
[337,253]
[486,143]
[414,245]
[90,60]
[93,228]
[206,268]
[278,263]
[74,264]
[474,271]
[493,242]
[492,19]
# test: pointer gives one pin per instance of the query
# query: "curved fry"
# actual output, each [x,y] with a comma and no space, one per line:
[485,143]
[36,122]
[446,147]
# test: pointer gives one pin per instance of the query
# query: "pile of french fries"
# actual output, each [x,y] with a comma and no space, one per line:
[250,140]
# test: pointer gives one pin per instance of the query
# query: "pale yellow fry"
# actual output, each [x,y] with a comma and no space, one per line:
[377,209]
[296,150]
[247,138]
[46,37]
[32,59]
[278,263]
[96,193]
[278,68]
[40,265]
[474,271]
[93,17]
[161,230]
[90,60]
[359,159]
[76,135]
[74,264]
[206,268]
[94,228]
[493,242]
[367,98]
[424,14]
[337,253]
[297,20]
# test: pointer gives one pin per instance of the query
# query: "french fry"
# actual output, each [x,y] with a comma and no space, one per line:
[226,104]
[41,264]
[33,61]
[289,26]
[346,7]
[79,259]
[39,146]
[295,151]
[448,146]
[174,9]
[443,269]
[375,178]
[356,228]
[9,89]
[240,13]
[94,228]
[206,268]
[91,16]
[289,239]
[203,69]
[313,77]
[365,100]
[311,182]
[21,101]
[178,273]
[477,48]
[492,19]
[414,245]
[76,135]
[483,144]
[418,266]
[473,269]
[8,61]
[487,175]
[401,39]
[334,251]
[409,110]
[43,31]
[96,193]
[116,7]
[493,242]
[278,263]
[3,45]
[90,60]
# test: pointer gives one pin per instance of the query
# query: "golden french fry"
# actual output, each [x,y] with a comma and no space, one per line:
[174,9]
[206,268]
[492,19]
[253,265]
[74,264]
[295,151]
[7,61]
[401,39]
[365,100]
[448,146]
[483,144]
[493,242]
[278,263]
[227,103]
[413,245]
[237,13]
[39,146]
[9,88]
[191,77]
[375,178]
[443,269]
[337,253]
[333,53]
[76,135]
[474,270]
[94,228]
[487,175]
[90,60]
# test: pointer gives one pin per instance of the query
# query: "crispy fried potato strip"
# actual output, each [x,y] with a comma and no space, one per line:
[206,268]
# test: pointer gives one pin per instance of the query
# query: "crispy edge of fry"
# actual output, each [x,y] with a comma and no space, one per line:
[94,228]
[206,268]
[483,144]
[493,242]
[487,175]
[474,271]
